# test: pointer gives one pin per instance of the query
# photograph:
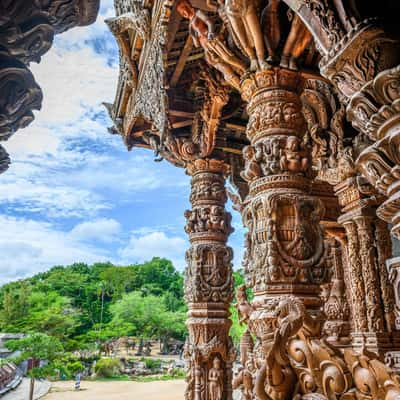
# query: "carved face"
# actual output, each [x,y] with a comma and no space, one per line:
[248,152]
[217,363]
[292,143]
[185,9]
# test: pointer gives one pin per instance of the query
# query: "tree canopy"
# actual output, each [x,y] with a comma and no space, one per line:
[84,303]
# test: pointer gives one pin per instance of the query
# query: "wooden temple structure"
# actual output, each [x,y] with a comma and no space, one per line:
[297,104]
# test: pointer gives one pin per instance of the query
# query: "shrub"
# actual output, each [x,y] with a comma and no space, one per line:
[177,373]
[151,363]
[74,367]
[107,367]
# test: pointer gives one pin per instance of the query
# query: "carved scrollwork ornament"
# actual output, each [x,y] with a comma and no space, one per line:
[20,96]
[4,160]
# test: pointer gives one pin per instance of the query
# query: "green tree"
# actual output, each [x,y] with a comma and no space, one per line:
[147,316]
[40,348]
[46,312]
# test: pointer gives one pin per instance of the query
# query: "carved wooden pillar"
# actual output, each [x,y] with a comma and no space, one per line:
[286,244]
[337,326]
[356,283]
[365,68]
[384,249]
[368,247]
[208,284]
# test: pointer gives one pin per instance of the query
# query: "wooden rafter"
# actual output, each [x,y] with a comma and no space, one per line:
[187,48]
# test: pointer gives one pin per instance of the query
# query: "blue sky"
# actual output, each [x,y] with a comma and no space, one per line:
[73,192]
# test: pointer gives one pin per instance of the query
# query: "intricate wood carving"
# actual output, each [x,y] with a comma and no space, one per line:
[209,284]
[296,131]
[335,303]
[20,95]
[4,160]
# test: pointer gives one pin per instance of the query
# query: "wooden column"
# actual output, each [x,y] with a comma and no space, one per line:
[368,247]
[285,242]
[208,284]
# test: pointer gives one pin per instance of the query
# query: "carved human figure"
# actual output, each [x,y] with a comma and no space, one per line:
[243,17]
[191,220]
[294,159]
[252,168]
[217,53]
[244,379]
[202,219]
[215,380]
[297,41]
[271,28]
[216,219]
[243,306]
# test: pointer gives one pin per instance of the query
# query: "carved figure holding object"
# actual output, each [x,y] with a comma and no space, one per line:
[202,31]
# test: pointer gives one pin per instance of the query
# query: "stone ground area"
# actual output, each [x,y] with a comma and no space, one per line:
[161,390]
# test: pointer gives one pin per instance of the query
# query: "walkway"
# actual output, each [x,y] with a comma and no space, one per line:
[117,390]
[22,391]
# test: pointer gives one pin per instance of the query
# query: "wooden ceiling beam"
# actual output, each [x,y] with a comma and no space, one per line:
[173,27]
[180,65]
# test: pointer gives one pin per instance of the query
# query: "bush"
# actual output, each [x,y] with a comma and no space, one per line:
[177,373]
[151,363]
[107,367]
[75,367]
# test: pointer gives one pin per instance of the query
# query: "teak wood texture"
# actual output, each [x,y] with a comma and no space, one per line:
[297,104]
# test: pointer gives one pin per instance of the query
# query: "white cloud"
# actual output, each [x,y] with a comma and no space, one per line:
[155,244]
[103,229]
[72,81]
[55,201]
[28,246]
[66,169]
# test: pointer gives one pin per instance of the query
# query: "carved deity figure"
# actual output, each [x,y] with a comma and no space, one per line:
[215,380]
[252,168]
[243,306]
[294,159]
[216,220]
[217,53]
[243,17]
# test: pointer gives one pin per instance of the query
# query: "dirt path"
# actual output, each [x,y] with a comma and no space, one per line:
[162,390]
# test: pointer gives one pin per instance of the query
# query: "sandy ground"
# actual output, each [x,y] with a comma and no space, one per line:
[162,390]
